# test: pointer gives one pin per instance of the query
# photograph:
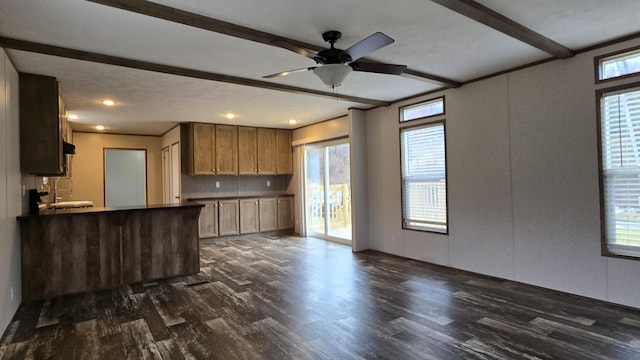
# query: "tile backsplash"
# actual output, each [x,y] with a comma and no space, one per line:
[229,185]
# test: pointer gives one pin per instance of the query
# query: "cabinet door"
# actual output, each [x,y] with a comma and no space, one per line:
[208,220]
[284,155]
[285,213]
[40,126]
[268,215]
[247,151]
[249,216]
[228,217]
[226,150]
[266,151]
[202,149]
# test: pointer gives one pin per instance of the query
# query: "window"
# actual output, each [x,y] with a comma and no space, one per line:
[422,110]
[424,178]
[620,170]
[618,65]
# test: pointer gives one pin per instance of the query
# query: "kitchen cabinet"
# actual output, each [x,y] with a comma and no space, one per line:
[268,210]
[247,151]
[226,152]
[43,126]
[285,213]
[284,154]
[238,150]
[208,220]
[76,250]
[249,216]
[213,149]
[228,217]
[266,142]
[202,142]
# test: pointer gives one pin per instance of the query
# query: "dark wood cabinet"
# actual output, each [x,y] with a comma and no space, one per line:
[77,252]
[43,126]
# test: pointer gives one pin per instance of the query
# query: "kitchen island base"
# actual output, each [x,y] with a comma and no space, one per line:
[66,252]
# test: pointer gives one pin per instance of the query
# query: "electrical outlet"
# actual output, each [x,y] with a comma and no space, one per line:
[268,183]
[217,184]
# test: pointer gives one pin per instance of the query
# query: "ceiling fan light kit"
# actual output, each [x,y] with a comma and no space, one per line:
[335,64]
[332,74]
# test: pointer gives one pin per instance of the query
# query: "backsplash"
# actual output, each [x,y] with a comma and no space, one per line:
[205,185]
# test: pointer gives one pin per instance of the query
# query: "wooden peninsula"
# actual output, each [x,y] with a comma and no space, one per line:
[78,250]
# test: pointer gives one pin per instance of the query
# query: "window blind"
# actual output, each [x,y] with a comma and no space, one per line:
[424,178]
[620,134]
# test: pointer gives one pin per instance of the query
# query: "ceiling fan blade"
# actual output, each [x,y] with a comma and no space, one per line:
[366,46]
[296,49]
[378,68]
[288,72]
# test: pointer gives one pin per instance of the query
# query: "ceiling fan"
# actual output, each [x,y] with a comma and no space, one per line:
[335,64]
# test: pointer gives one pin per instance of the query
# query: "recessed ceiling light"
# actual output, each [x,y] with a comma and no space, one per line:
[108,102]
[292,121]
[230,115]
[99,127]
[74,117]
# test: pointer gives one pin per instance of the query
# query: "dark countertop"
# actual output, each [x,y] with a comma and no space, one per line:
[93,210]
[234,197]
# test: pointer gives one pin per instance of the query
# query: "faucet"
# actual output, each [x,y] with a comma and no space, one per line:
[55,188]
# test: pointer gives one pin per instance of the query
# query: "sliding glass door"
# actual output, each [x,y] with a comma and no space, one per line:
[328,191]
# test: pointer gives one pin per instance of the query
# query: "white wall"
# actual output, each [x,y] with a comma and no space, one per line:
[10,193]
[522,166]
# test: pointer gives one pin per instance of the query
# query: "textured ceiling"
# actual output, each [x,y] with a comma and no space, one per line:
[429,38]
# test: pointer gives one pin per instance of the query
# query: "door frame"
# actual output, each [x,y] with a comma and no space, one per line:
[323,145]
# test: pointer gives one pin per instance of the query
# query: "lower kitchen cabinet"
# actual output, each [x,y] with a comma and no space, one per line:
[268,209]
[245,216]
[208,221]
[249,216]
[228,217]
[73,251]
[285,213]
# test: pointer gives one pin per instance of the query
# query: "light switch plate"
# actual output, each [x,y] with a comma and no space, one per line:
[217,184]
[268,183]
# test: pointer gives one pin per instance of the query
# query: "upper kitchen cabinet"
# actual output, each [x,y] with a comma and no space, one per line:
[202,143]
[213,149]
[284,155]
[266,151]
[238,150]
[43,126]
[247,151]
[226,150]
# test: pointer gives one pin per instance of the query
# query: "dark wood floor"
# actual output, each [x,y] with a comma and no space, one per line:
[296,298]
